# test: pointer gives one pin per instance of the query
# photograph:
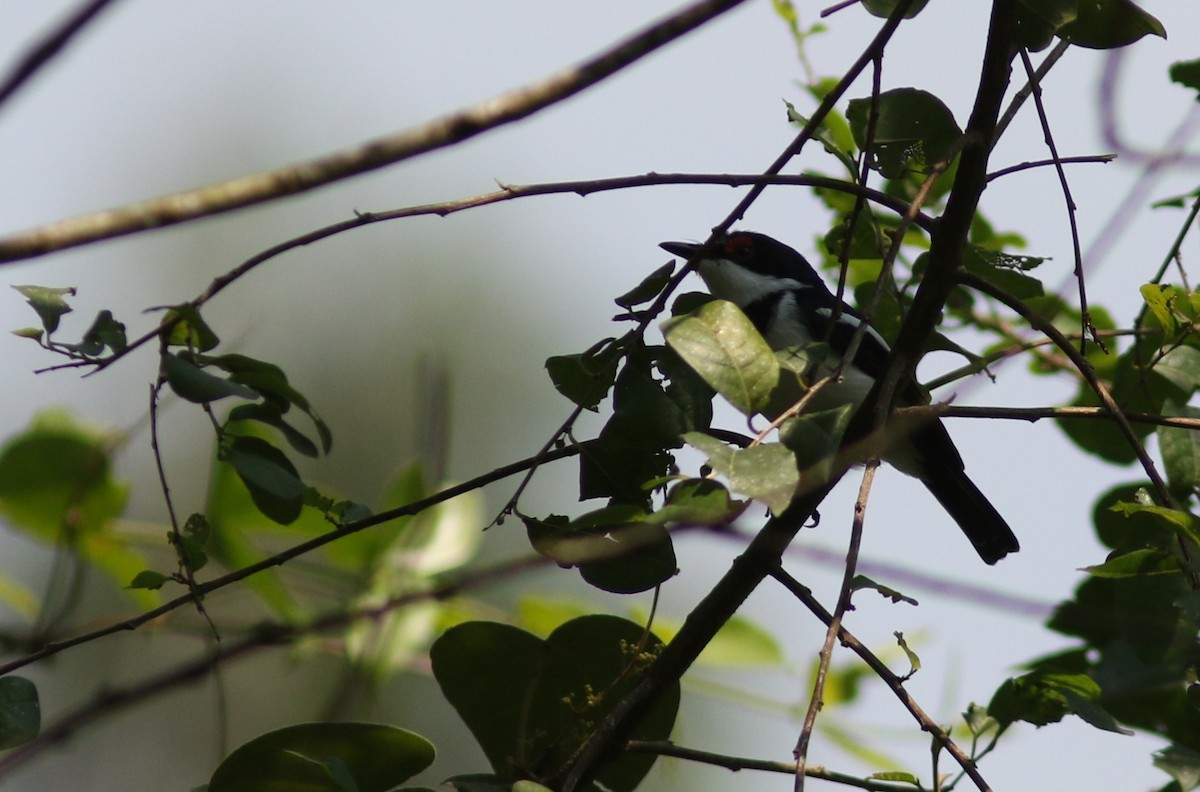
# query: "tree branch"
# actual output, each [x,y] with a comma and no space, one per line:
[50,46]
[301,177]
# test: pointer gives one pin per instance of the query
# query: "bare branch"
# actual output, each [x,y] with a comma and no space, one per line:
[301,177]
[50,46]
[741,763]
[881,670]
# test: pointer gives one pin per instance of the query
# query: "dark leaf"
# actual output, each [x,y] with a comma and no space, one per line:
[913,131]
[324,757]
[1108,24]
[649,288]
[272,480]
[189,330]
[190,382]
[532,703]
[20,712]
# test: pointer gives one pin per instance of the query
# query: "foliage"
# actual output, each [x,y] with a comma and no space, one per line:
[552,693]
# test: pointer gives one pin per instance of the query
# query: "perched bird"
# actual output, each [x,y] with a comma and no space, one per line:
[790,305]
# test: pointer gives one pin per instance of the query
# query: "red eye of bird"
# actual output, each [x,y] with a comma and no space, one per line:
[738,246]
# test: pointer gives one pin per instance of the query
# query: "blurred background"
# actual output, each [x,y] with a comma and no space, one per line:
[159,97]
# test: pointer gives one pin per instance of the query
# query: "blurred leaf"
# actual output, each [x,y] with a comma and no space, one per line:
[1005,270]
[532,703]
[316,757]
[1187,74]
[20,712]
[541,615]
[56,480]
[914,130]
[1182,764]
[1108,24]
[1180,450]
[740,643]
[724,348]
[48,302]
[586,378]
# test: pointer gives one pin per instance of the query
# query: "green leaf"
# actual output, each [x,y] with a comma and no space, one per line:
[1180,450]
[189,329]
[20,712]
[814,438]
[698,502]
[740,643]
[271,381]
[1180,366]
[1039,20]
[48,302]
[1187,74]
[649,288]
[1174,520]
[272,480]
[104,332]
[1181,763]
[149,579]
[615,549]
[914,130]
[1137,563]
[586,378]
[767,472]
[532,703]
[270,414]
[1108,24]
[316,757]
[884,8]
[1005,270]
[724,348]
[29,332]
[191,382]
[861,582]
[1041,698]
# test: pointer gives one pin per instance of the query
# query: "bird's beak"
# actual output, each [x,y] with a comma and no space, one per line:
[682,249]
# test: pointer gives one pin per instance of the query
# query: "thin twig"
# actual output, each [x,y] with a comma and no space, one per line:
[834,626]
[737,763]
[112,700]
[800,592]
[283,557]
[1102,159]
[1076,249]
[507,192]
[388,150]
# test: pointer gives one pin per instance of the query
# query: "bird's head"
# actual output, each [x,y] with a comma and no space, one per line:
[743,266]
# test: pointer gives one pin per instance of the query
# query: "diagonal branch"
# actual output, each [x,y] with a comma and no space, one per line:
[441,132]
[50,46]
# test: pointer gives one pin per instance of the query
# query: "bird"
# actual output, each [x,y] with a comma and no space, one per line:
[790,306]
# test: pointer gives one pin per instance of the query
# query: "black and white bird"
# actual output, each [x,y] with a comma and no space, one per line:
[791,306]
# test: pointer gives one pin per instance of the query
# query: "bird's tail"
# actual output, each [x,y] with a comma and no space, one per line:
[975,515]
